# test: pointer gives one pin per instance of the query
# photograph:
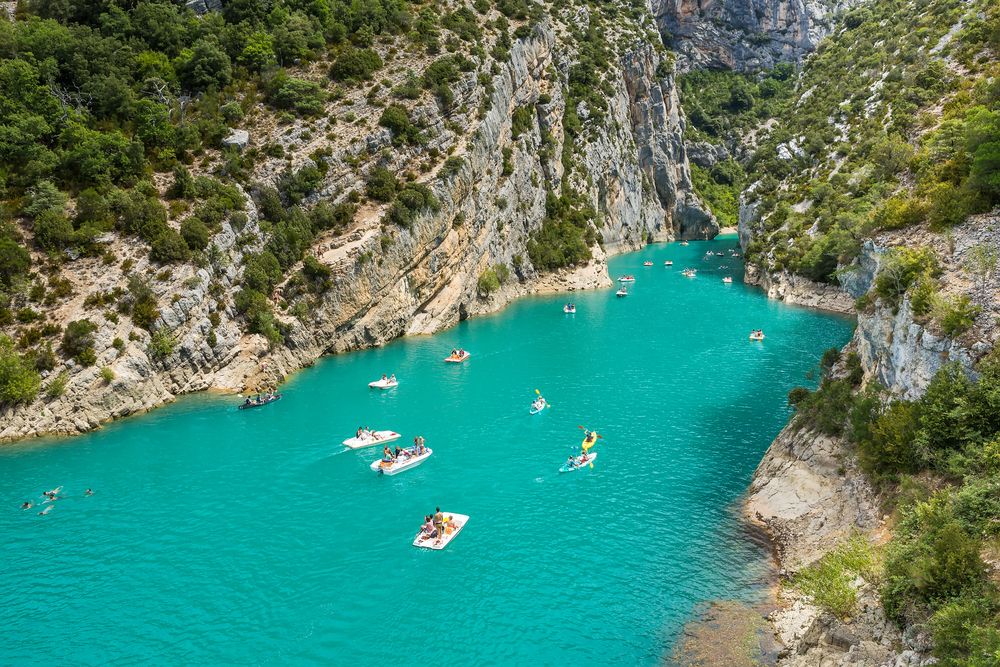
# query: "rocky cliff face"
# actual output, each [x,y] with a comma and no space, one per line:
[426,279]
[743,35]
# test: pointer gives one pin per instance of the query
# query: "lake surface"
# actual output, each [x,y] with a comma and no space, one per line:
[225,537]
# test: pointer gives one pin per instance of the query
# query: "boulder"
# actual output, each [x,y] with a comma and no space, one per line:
[239,139]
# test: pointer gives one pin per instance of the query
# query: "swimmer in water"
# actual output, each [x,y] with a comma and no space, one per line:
[26,505]
[45,511]
[89,493]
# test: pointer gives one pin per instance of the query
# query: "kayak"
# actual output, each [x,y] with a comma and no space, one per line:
[577,466]
[587,444]
[377,438]
[404,462]
[256,404]
[383,384]
[569,309]
[453,525]
[458,360]
[534,411]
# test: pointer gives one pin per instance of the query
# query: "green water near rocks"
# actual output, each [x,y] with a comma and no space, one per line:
[226,537]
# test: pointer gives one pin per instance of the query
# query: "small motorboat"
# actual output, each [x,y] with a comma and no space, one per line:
[627,279]
[727,279]
[668,263]
[369,439]
[261,402]
[622,292]
[647,263]
[453,525]
[756,336]
[569,308]
[537,406]
[404,461]
[578,463]
[388,383]
[458,359]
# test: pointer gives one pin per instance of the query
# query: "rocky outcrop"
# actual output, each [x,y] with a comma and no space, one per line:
[388,282]
[795,289]
[744,35]
[706,155]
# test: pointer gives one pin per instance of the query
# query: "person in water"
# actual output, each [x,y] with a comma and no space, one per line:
[46,510]
[89,493]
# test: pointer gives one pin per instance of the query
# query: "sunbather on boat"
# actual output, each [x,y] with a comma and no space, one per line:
[387,454]
[428,528]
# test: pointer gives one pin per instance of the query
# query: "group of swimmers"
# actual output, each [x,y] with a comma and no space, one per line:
[433,527]
[50,496]
[390,456]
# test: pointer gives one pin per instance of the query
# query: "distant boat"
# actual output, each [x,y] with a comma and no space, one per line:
[369,439]
[668,263]
[727,279]
[458,359]
[383,384]
[684,243]
[569,308]
[260,403]
[627,279]
[404,461]
[647,263]
[622,292]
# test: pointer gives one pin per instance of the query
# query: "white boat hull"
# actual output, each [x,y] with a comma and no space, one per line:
[456,521]
[382,437]
[400,464]
[591,457]
[453,360]
[383,384]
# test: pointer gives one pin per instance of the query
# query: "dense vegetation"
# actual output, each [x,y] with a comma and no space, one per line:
[938,458]
[859,149]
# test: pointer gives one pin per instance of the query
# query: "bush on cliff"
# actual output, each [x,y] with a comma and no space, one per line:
[19,381]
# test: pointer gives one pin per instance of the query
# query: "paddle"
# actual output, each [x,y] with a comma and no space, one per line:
[547,404]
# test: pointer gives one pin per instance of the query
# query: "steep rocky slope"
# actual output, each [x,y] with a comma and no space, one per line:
[385,281]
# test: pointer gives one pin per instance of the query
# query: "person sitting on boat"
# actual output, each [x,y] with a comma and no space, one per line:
[428,528]
[397,452]
[384,377]
[387,454]
[461,353]
[247,402]
[392,378]
[591,436]
[361,430]
[570,462]
[454,353]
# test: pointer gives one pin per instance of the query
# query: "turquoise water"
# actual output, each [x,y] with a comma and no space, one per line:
[226,537]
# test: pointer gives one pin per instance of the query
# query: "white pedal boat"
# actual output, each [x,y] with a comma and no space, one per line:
[591,457]
[626,279]
[458,360]
[569,309]
[668,263]
[402,462]
[383,384]
[621,292]
[454,523]
[727,279]
[376,438]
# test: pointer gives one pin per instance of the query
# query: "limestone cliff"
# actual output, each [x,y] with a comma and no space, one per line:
[392,282]
[743,35]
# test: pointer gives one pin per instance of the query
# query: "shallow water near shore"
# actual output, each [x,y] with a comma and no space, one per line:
[223,537]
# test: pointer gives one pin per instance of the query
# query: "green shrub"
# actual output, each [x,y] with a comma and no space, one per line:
[118,344]
[452,166]
[79,336]
[87,357]
[901,267]
[52,230]
[901,211]
[887,451]
[958,315]
[502,272]
[314,269]
[382,185]
[797,395]
[488,282]
[161,344]
[170,247]
[355,65]
[57,385]
[211,339]
[522,120]
[195,233]
[19,381]
[830,581]
[107,374]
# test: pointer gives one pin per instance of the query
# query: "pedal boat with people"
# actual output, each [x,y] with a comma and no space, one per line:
[369,439]
[453,525]
[403,462]
[384,384]
[458,359]
[262,402]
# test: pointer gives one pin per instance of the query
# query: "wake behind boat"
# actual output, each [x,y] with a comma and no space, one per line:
[260,401]
[407,459]
[453,525]
[369,438]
